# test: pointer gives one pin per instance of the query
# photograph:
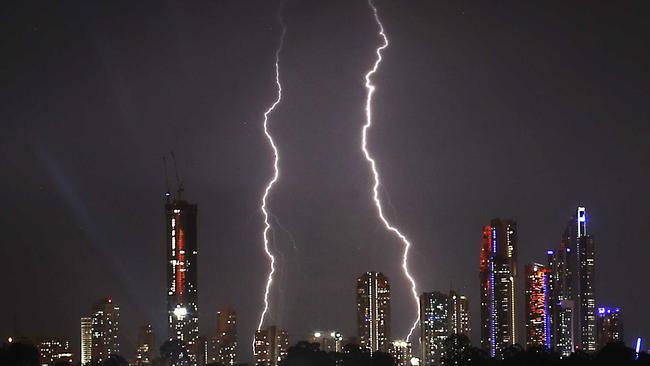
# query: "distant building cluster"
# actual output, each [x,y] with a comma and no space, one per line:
[559,306]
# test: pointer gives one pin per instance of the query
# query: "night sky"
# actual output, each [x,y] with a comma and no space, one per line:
[483,109]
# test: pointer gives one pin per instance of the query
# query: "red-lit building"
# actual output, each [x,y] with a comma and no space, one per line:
[182,292]
[538,317]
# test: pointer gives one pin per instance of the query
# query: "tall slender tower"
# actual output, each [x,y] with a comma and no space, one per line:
[86,340]
[497,274]
[587,300]
[182,292]
[373,311]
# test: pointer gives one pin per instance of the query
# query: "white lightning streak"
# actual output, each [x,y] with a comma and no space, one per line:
[364,146]
[274,179]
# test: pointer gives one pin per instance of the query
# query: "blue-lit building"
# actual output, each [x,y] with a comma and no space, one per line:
[434,325]
[610,326]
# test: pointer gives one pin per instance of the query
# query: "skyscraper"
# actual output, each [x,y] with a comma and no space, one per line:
[587,299]
[182,292]
[610,326]
[144,352]
[271,345]
[459,314]
[538,319]
[434,325]
[52,350]
[498,273]
[105,330]
[373,311]
[224,342]
[86,340]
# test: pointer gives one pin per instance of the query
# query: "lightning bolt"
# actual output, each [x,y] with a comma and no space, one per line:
[276,175]
[373,165]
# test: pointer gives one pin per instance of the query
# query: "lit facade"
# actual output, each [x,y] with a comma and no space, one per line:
[271,346]
[144,353]
[459,314]
[401,352]
[373,311]
[587,300]
[538,320]
[224,342]
[497,274]
[52,350]
[434,325]
[105,330]
[182,291]
[610,326]
[86,340]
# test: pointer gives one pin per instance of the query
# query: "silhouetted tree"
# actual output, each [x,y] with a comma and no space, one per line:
[115,360]
[458,351]
[353,355]
[19,354]
[306,354]
[615,353]
[382,359]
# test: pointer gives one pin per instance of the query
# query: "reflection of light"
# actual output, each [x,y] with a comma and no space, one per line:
[549,252]
[638,347]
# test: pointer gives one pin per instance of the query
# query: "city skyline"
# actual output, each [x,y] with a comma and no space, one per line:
[476,116]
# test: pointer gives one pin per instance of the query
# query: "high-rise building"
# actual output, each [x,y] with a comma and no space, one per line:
[610,326]
[459,314]
[202,350]
[144,352]
[182,292]
[373,311]
[52,350]
[401,352]
[331,341]
[587,299]
[271,346]
[571,288]
[538,320]
[498,273]
[434,325]
[86,340]
[224,342]
[105,330]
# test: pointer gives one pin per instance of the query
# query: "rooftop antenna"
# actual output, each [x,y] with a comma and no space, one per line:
[168,193]
[179,183]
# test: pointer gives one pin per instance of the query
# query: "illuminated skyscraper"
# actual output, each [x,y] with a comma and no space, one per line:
[86,340]
[373,311]
[434,325]
[459,314]
[182,293]
[610,326]
[144,352]
[224,342]
[587,300]
[271,345]
[105,330]
[498,273]
[538,320]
